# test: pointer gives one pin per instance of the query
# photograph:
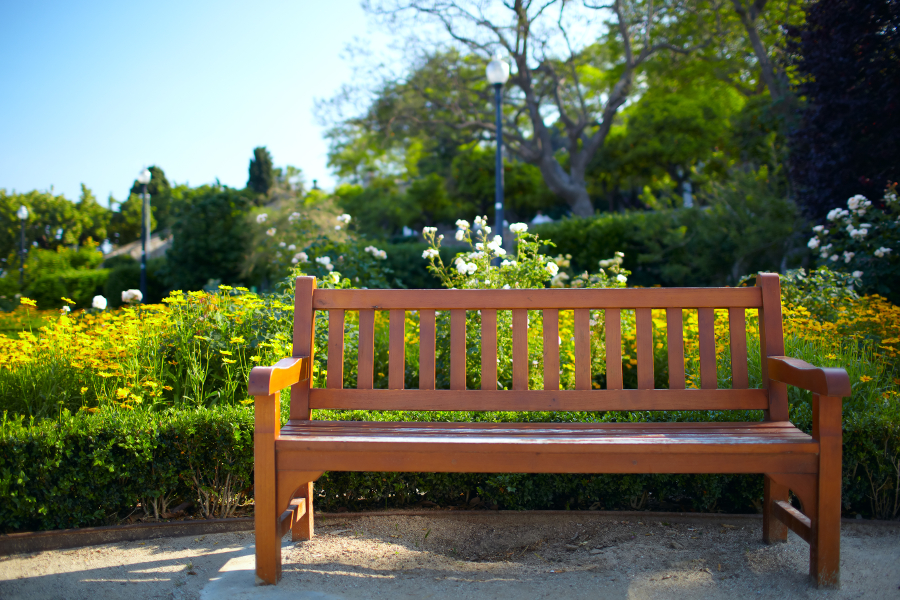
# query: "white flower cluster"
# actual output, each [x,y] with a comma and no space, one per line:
[518,228]
[261,218]
[344,218]
[294,216]
[429,230]
[271,231]
[430,253]
[465,268]
[130,296]
[617,259]
[508,263]
[300,257]
[837,213]
[325,261]
[462,224]
[99,302]
[376,252]
[881,252]
[552,268]
[482,223]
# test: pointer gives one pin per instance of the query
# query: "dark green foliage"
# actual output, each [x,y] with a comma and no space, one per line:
[211,238]
[747,227]
[125,274]
[125,224]
[160,192]
[262,175]
[93,469]
[847,58]
[80,286]
[410,269]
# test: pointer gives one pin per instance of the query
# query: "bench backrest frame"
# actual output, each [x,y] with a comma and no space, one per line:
[765,296]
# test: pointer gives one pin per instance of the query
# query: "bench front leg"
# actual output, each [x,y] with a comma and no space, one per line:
[825,549]
[265,512]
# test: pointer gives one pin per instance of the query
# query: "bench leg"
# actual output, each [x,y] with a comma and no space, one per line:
[774,531]
[825,549]
[302,528]
[265,512]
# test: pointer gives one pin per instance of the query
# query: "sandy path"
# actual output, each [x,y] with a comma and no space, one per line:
[470,555]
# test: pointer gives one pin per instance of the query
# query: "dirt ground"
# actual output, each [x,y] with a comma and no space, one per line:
[471,555]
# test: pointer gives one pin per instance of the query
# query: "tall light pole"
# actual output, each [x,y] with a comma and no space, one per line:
[22,213]
[497,74]
[144,178]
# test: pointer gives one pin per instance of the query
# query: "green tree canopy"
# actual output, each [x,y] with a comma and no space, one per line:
[262,175]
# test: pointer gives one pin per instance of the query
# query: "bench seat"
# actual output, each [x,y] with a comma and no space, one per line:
[733,447]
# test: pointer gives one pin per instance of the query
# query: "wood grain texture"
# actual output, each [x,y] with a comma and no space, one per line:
[397,350]
[825,553]
[426,349]
[539,400]
[795,520]
[551,348]
[771,342]
[737,328]
[644,347]
[675,342]
[457,350]
[706,329]
[266,515]
[537,299]
[489,349]
[304,331]
[826,381]
[335,378]
[520,349]
[365,375]
[613,326]
[582,349]
[304,524]
[286,372]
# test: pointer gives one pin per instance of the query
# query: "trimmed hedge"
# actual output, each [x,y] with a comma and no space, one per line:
[79,285]
[94,469]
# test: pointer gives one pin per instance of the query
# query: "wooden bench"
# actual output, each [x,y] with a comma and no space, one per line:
[289,459]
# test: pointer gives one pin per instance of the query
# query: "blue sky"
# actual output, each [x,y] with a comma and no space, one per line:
[94,91]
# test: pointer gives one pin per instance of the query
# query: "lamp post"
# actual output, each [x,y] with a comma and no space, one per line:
[144,178]
[22,213]
[497,74]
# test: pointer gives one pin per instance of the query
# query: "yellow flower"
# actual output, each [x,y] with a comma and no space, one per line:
[168,388]
[225,287]
[831,356]
[83,390]
[67,300]
[228,361]
[237,340]
[122,393]
[28,302]
[256,358]
[247,401]
[225,352]
[104,374]
[865,378]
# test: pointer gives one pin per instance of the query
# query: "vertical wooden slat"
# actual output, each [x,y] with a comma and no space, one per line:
[426,349]
[706,326]
[771,343]
[613,324]
[643,318]
[335,378]
[396,350]
[520,349]
[675,341]
[366,362]
[489,349]
[582,349]
[551,349]
[304,331]
[737,327]
[457,349]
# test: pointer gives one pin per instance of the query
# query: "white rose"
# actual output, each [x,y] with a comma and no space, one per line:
[430,253]
[271,231]
[460,235]
[857,274]
[292,247]
[99,302]
[471,268]
[848,256]
[462,267]
[462,224]
[295,216]
[427,230]
[552,268]
[813,243]
[261,218]
[818,228]
[621,278]
[882,251]
[518,228]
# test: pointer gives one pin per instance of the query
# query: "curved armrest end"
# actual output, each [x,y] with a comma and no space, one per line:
[825,381]
[265,381]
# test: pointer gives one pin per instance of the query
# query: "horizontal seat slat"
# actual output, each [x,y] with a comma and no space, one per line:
[539,400]
[536,299]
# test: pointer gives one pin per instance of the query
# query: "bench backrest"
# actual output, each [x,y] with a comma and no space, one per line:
[765,297]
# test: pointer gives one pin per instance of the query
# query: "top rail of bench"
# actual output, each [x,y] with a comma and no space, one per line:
[535,299]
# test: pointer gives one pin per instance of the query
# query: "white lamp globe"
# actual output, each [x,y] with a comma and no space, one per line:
[22,213]
[144,177]
[497,70]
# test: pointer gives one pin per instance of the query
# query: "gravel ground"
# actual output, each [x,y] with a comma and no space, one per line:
[471,555]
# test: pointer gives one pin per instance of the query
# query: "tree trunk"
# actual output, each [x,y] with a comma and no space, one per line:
[571,189]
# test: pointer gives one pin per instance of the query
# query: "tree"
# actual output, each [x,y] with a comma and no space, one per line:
[262,175]
[849,63]
[160,192]
[211,237]
[561,95]
[125,223]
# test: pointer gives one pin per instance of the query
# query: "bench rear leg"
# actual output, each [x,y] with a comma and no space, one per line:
[774,531]
[302,529]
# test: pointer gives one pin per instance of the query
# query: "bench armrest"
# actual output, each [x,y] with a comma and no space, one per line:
[265,381]
[823,381]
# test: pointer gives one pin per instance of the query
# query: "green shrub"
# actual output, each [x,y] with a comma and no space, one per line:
[80,286]
[410,269]
[126,275]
